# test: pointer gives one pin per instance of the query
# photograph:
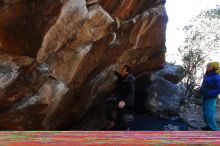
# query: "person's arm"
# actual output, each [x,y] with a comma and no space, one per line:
[216,90]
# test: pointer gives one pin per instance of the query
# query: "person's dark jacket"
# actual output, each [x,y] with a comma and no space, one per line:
[211,85]
[125,89]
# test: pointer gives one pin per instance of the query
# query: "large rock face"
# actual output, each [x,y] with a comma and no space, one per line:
[23,24]
[57,56]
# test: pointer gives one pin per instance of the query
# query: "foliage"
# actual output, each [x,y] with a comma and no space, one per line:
[201,44]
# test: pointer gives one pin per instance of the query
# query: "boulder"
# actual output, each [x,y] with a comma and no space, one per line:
[164,97]
[74,45]
[172,73]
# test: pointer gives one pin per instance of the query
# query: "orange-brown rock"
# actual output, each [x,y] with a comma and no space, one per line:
[75,45]
[24,23]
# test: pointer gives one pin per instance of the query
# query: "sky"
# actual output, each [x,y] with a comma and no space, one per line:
[179,13]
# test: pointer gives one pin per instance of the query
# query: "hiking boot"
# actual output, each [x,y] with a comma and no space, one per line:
[128,117]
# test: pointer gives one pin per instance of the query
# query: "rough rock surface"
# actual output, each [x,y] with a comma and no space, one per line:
[57,56]
[164,97]
[172,73]
[24,23]
[191,113]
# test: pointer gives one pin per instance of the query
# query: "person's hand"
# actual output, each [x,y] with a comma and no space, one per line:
[121,104]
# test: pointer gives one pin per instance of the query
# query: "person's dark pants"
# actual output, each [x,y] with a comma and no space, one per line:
[209,113]
[120,122]
[111,111]
[116,114]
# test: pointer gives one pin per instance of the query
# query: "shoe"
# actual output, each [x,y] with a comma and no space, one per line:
[128,117]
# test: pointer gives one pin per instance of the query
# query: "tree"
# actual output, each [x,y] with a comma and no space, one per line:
[202,42]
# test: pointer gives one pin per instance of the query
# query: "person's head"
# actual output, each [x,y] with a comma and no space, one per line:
[213,66]
[125,70]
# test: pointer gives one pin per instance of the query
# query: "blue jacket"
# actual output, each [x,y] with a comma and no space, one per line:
[211,85]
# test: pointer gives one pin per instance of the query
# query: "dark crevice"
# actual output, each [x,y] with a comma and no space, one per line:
[91,4]
[142,82]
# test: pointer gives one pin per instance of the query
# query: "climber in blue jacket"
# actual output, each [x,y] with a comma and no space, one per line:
[210,89]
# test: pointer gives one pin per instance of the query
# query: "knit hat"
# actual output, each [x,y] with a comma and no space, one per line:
[215,65]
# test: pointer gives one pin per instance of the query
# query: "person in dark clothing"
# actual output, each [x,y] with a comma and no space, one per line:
[210,89]
[125,90]
[124,96]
